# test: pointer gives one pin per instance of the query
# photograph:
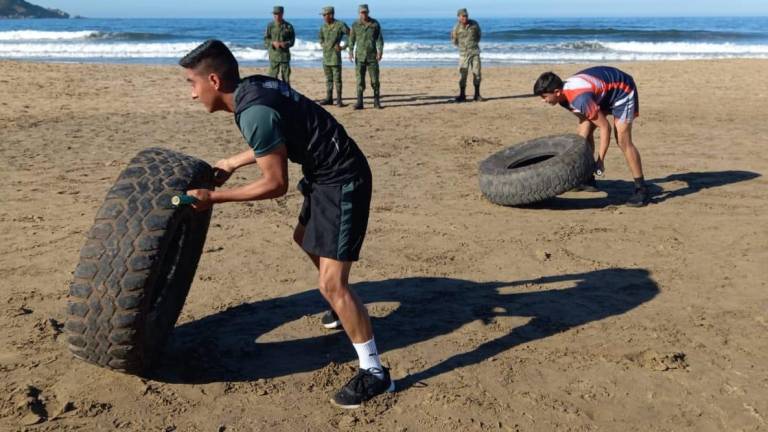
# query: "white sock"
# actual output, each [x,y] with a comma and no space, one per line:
[369,358]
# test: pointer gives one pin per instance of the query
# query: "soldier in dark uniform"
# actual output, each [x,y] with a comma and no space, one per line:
[332,34]
[466,36]
[278,40]
[366,47]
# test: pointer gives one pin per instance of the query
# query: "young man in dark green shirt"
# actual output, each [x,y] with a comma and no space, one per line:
[280,125]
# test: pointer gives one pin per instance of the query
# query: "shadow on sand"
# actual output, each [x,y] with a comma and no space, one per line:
[421,99]
[224,347]
[439,100]
[618,191]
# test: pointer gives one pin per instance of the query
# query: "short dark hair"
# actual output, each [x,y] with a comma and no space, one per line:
[212,56]
[548,82]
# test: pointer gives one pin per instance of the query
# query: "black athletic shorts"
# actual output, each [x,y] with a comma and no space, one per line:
[335,217]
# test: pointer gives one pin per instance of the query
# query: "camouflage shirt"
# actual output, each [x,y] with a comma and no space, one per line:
[282,32]
[467,38]
[368,39]
[331,36]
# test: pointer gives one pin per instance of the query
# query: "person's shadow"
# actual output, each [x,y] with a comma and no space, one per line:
[224,347]
[661,189]
[419,100]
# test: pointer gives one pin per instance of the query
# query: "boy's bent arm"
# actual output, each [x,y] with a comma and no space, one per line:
[605,134]
[272,184]
[237,161]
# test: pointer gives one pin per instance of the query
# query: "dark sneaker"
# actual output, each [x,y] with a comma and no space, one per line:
[330,320]
[639,199]
[590,185]
[362,387]
[326,102]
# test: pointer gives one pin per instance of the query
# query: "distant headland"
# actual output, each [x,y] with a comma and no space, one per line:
[24,9]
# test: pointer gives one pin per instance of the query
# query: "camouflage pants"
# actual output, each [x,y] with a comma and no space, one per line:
[332,76]
[467,64]
[283,69]
[372,67]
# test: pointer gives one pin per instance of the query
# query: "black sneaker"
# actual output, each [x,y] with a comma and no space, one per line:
[589,185]
[330,320]
[639,199]
[362,387]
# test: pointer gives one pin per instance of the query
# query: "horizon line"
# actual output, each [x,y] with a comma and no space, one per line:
[387,16]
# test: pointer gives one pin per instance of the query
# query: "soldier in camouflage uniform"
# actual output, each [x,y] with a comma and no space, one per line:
[332,34]
[278,39]
[367,44]
[466,35]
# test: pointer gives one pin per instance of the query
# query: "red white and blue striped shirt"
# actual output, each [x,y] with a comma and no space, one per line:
[600,88]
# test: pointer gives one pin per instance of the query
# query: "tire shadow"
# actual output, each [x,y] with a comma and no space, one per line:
[224,347]
[616,192]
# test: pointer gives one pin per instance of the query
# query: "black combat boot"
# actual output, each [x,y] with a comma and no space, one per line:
[359,104]
[328,97]
[376,100]
[477,97]
[339,102]
[462,97]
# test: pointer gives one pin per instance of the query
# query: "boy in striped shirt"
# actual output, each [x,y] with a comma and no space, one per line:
[592,95]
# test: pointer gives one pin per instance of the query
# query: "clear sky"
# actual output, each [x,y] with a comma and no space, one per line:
[409,8]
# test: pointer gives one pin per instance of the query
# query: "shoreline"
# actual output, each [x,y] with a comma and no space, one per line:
[350,65]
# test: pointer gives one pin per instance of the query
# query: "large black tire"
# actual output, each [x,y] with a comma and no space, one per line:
[536,170]
[138,263]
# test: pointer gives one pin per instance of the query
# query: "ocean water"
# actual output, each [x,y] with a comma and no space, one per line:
[408,42]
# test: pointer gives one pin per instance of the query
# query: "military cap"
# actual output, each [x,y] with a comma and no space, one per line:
[363,8]
[277,10]
[462,12]
[328,10]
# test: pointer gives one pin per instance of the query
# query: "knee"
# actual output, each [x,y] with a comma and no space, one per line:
[331,288]
[624,143]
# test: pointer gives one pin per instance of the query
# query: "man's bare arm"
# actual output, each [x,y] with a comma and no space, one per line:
[239,160]
[224,168]
[272,184]
[605,134]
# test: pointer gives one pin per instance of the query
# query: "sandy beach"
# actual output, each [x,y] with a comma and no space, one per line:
[577,314]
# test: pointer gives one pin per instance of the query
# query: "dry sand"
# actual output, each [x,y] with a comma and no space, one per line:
[578,314]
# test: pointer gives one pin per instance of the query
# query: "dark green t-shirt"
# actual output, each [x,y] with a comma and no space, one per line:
[269,112]
[260,126]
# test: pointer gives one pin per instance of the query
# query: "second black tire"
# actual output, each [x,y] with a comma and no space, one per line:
[138,262]
[536,170]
